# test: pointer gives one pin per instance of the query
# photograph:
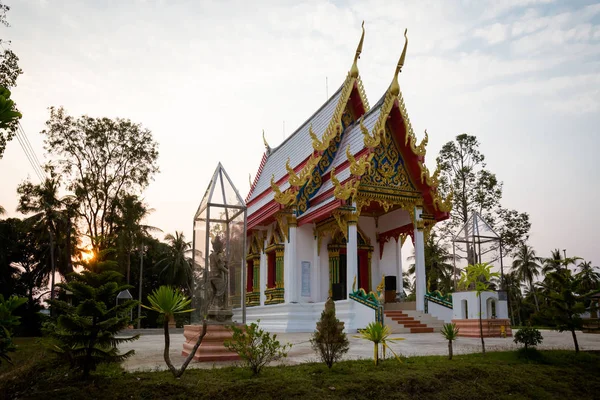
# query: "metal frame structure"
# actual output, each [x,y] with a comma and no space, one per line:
[224,207]
[471,234]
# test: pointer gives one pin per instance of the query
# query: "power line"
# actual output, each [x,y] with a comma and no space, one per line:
[32,152]
[29,157]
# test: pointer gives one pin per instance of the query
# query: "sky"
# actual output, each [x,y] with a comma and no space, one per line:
[206,77]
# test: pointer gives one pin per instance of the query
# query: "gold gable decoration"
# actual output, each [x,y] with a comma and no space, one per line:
[305,173]
[345,191]
[286,198]
[358,168]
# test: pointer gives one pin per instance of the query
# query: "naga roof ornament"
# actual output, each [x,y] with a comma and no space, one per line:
[267,147]
[345,191]
[354,68]
[395,86]
[284,198]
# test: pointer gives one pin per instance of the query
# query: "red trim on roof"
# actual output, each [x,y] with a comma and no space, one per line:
[321,212]
[263,160]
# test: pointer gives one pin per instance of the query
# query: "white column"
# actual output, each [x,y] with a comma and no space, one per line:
[290,270]
[351,254]
[420,260]
[399,283]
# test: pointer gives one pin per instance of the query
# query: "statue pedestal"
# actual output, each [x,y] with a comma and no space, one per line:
[212,348]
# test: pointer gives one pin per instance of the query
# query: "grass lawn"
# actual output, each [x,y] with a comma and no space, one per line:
[37,374]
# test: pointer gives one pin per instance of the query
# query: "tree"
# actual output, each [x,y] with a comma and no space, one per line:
[168,302]
[378,333]
[87,330]
[176,265]
[438,267]
[101,159]
[130,212]
[552,263]
[527,268]
[463,172]
[566,303]
[479,276]
[42,200]
[590,279]
[9,72]
[329,340]
[512,285]
[450,333]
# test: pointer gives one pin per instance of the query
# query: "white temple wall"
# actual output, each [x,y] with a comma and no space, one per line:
[394,219]
[387,264]
[304,263]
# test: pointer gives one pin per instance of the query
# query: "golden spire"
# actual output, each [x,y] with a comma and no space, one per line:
[267,147]
[354,69]
[395,87]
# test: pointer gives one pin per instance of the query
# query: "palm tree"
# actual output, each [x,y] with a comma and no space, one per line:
[169,301]
[378,334]
[512,284]
[176,264]
[130,212]
[527,268]
[2,210]
[553,263]
[438,266]
[43,201]
[590,279]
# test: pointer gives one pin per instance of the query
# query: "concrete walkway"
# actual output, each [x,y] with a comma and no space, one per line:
[149,348]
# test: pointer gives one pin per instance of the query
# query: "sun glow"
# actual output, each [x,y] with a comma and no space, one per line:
[87,255]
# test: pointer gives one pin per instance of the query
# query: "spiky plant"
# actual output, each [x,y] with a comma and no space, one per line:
[450,333]
[170,301]
[378,334]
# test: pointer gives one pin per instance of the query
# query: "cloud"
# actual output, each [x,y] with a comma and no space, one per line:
[493,34]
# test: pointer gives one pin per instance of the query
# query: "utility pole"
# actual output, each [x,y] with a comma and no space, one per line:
[140,289]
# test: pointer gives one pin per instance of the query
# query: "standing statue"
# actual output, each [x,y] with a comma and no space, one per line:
[218,307]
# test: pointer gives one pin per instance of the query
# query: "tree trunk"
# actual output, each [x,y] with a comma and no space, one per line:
[376,353]
[575,340]
[128,265]
[167,346]
[481,327]
[537,305]
[449,349]
[53,268]
[193,352]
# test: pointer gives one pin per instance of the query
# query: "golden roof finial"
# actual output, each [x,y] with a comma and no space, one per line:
[267,147]
[395,87]
[354,69]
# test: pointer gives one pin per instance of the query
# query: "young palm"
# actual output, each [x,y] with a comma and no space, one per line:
[2,210]
[169,301]
[450,333]
[378,334]
[525,264]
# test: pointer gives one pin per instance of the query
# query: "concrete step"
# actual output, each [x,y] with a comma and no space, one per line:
[410,321]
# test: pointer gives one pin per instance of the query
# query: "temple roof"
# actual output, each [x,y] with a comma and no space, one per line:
[297,147]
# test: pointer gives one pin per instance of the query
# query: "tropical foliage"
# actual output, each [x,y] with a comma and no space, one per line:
[86,328]
[450,333]
[378,334]
[528,336]
[329,340]
[7,322]
[170,301]
[256,347]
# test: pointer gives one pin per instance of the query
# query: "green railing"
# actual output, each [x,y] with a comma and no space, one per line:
[438,297]
[370,300]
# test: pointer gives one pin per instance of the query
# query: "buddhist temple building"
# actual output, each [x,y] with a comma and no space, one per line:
[330,207]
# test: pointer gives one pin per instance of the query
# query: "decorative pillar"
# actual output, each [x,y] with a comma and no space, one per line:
[290,271]
[262,277]
[315,290]
[400,282]
[351,253]
[421,280]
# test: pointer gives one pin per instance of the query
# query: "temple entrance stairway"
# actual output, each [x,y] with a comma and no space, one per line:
[404,320]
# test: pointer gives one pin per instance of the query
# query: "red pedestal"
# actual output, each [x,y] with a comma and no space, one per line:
[212,348]
[491,327]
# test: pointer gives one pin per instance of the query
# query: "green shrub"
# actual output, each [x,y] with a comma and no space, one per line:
[329,340]
[256,347]
[7,322]
[528,336]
